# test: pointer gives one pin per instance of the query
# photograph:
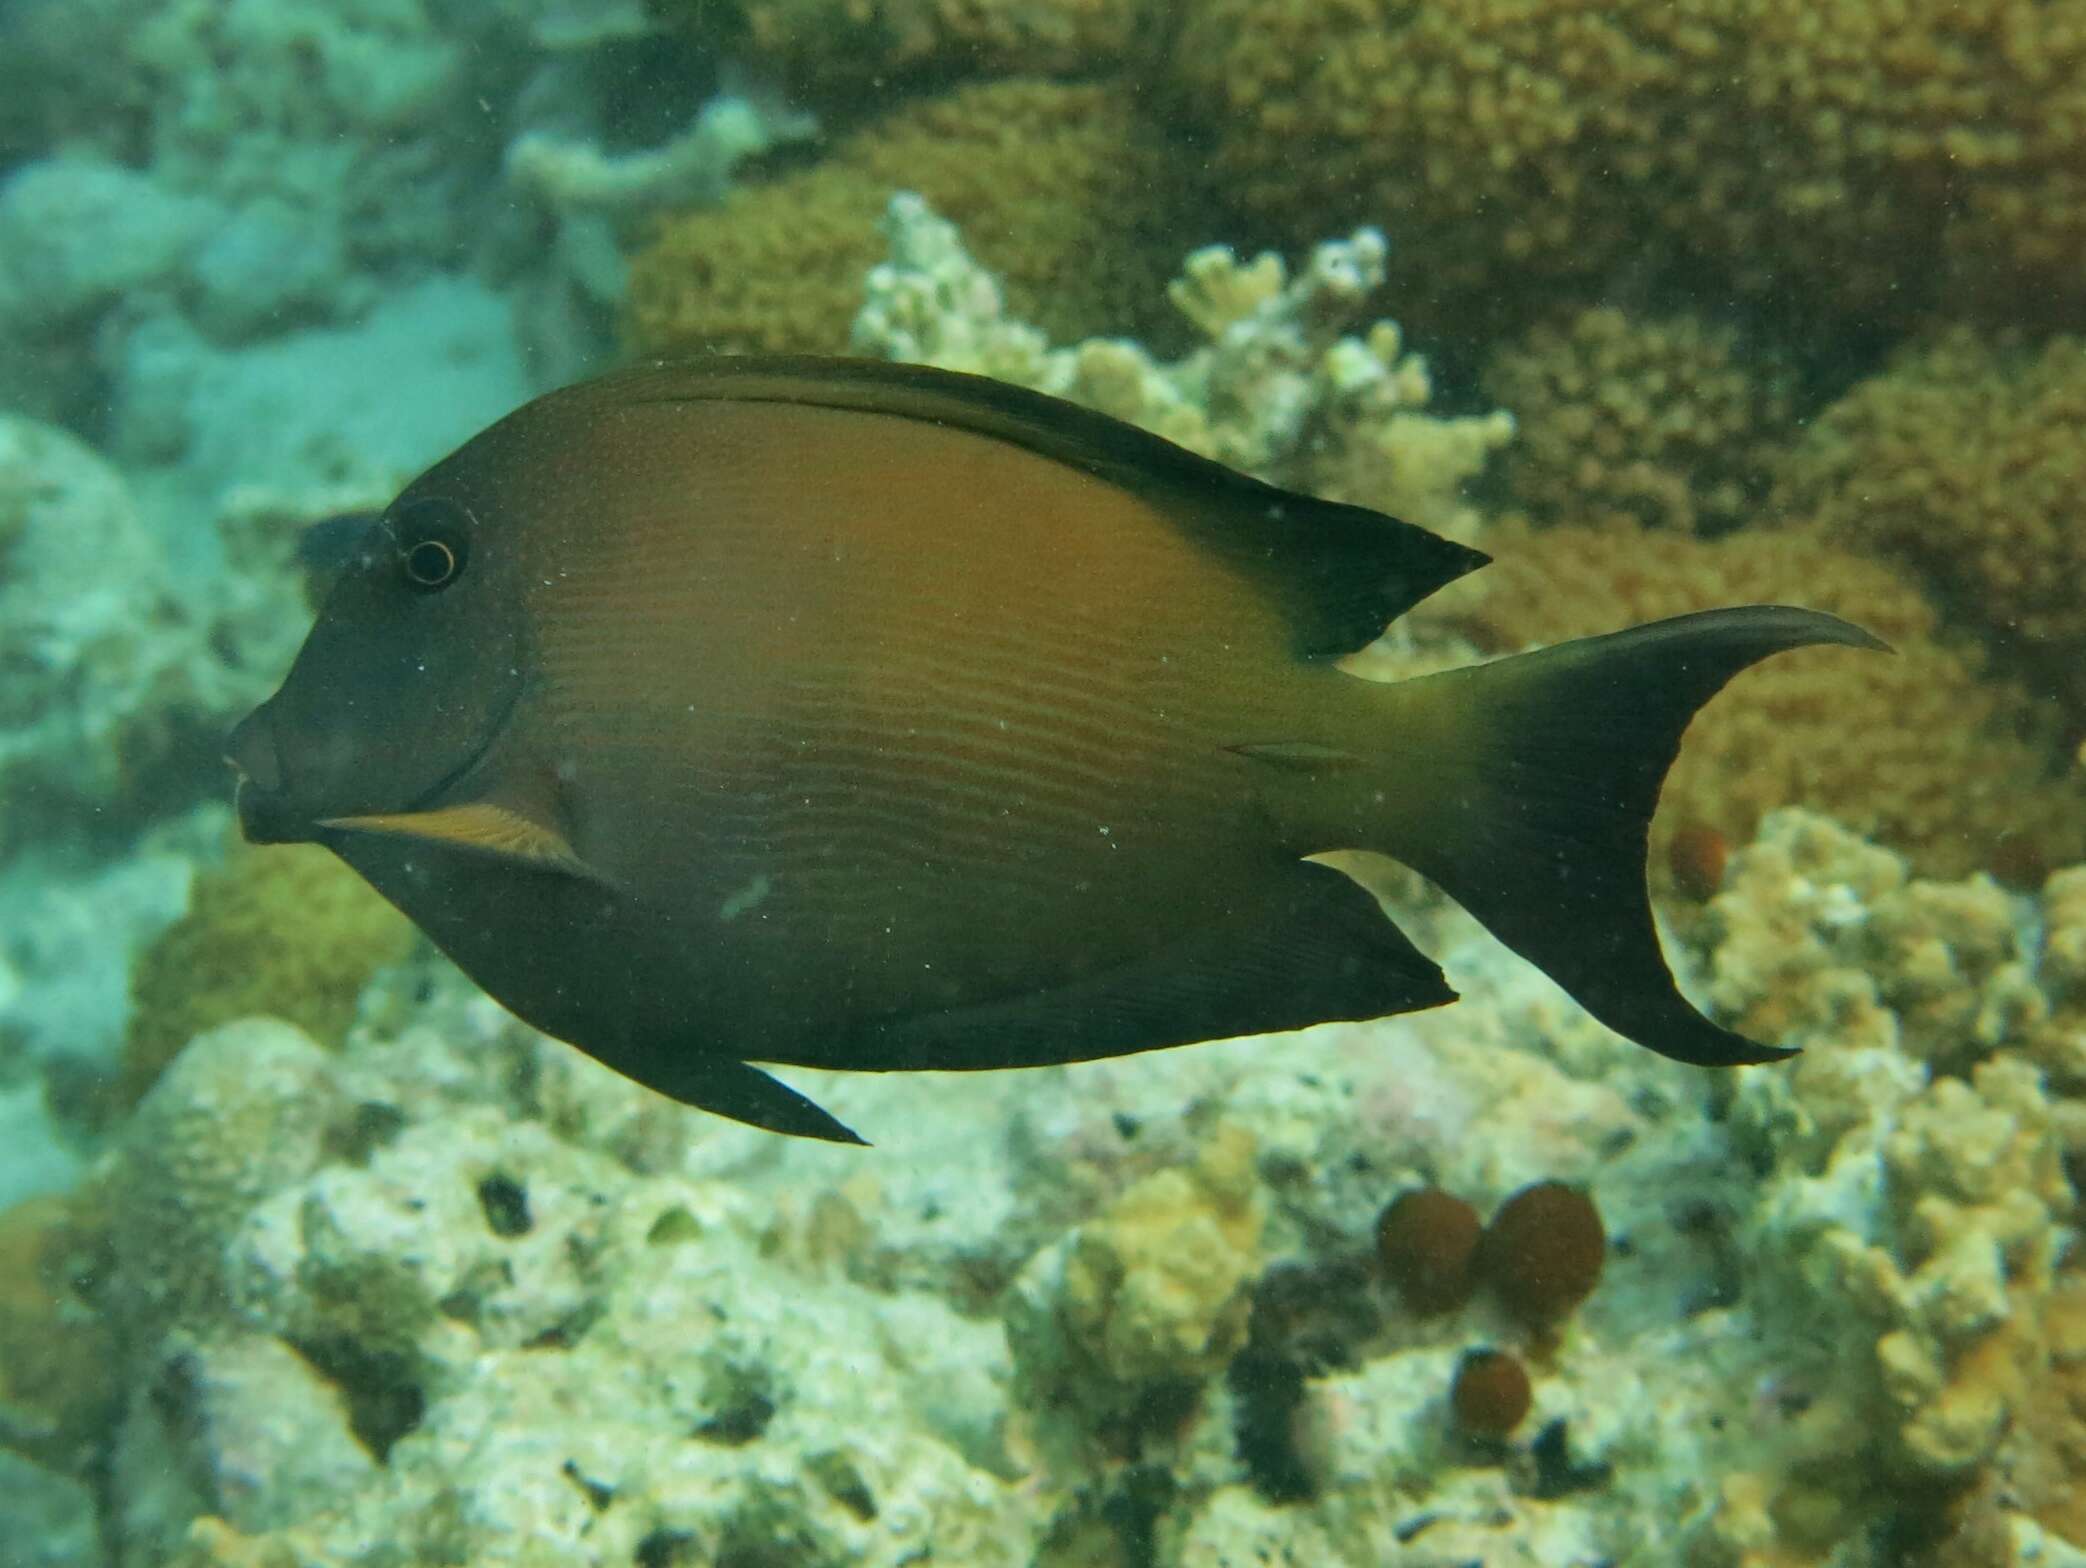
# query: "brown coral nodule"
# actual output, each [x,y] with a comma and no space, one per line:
[1697,855]
[1427,1242]
[1491,1394]
[1543,1251]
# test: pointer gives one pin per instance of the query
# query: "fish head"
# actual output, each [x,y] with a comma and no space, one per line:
[410,675]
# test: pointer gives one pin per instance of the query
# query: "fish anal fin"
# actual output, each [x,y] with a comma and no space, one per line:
[484,826]
[1316,948]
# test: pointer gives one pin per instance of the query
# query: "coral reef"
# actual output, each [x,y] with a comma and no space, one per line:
[1076,201]
[326,1337]
[286,931]
[1664,422]
[109,675]
[1964,458]
[1924,750]
[833,50]
[59,1381]
[1548,141]
[1151,1292]
[1276,388]
[512,1298]
[1913,1221]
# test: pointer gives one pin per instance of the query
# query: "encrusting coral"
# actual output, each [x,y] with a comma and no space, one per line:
[1151,1292]
[1660,421]
[1924,749]
[1965,458]
[1548,140]
[1078,202]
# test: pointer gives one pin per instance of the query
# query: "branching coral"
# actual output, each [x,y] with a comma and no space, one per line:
[1280,387]
[1922,749]
[1078,203]
[1659,421]
[1915,1220]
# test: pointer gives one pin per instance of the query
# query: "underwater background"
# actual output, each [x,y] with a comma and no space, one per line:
[310,1254]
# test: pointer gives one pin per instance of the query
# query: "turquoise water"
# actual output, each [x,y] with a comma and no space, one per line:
[312,1253]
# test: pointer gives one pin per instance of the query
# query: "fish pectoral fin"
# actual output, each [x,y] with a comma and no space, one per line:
[481,825]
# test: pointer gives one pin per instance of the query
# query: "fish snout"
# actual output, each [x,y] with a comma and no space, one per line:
[264,814]
[251,748]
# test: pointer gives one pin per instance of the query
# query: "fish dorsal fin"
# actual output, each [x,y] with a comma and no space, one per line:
[483,826]
[1340,573]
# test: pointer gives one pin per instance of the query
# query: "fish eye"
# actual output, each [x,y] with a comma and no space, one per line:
[432,545]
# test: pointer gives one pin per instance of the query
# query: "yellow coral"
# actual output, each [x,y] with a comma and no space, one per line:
[1922,750]
[1076,204]
[1967,459]
[287,931]
[836,50]
[1540,139]
[1655,421]
[1155,1287]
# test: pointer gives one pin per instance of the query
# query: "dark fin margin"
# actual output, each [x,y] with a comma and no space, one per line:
[1538,822]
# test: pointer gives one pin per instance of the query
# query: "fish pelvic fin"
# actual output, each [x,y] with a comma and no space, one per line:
[728,1087]
[481,826]
[1525,789]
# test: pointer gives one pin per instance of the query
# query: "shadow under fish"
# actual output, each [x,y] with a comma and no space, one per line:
[854,715]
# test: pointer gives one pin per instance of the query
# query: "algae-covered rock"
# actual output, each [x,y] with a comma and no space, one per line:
[286,931]
[107,676]
[244,1109]
[59,1376]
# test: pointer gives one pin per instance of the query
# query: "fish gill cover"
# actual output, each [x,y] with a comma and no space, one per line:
[1697,304]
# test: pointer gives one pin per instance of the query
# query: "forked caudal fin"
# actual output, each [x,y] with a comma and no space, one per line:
[1536,777]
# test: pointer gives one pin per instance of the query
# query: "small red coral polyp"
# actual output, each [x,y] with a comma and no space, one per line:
[1427,1241]
[1543,1251]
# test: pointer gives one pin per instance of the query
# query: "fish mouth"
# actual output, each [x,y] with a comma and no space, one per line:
[260,798]
[266,818]
[266,803]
